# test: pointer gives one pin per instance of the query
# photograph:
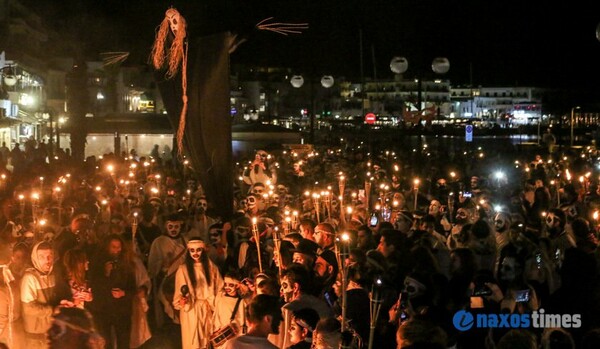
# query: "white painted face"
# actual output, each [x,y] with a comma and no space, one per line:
[173,228]
[251,202]
[201,206]
[195,249]
[230,286]
[286,288]
[174,19]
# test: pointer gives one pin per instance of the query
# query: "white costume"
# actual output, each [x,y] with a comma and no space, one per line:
[196,315]
[224,309]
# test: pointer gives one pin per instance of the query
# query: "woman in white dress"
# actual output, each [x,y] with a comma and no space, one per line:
[197,283]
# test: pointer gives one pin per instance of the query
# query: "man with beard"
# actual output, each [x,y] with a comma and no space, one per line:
[37,295]
[326,270]
[264,318]
[200,221]
[456,237]
[560,240]
[325,236]
[112,280]
[197,283]
[305,253]
[442,226]
[167,252]
[502,223]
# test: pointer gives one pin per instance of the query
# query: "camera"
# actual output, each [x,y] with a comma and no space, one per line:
[467,194]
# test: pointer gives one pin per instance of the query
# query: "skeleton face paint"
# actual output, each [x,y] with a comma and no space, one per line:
[251,202]
[286,288]
[201,206]
[230,286]
[195,249]
[173,228]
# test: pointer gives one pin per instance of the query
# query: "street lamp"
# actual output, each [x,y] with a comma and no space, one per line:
[327,81]
[61,121]
[572,122]
[8,76]
[439,65]
[8,79]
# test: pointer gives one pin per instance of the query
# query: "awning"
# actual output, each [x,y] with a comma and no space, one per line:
[28,118]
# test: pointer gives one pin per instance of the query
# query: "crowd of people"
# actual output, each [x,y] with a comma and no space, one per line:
[337,247]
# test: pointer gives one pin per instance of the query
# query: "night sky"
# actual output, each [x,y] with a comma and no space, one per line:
[506,42]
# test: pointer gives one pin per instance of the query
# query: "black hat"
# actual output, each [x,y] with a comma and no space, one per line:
[307,247]
[174,217]
[330,257]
